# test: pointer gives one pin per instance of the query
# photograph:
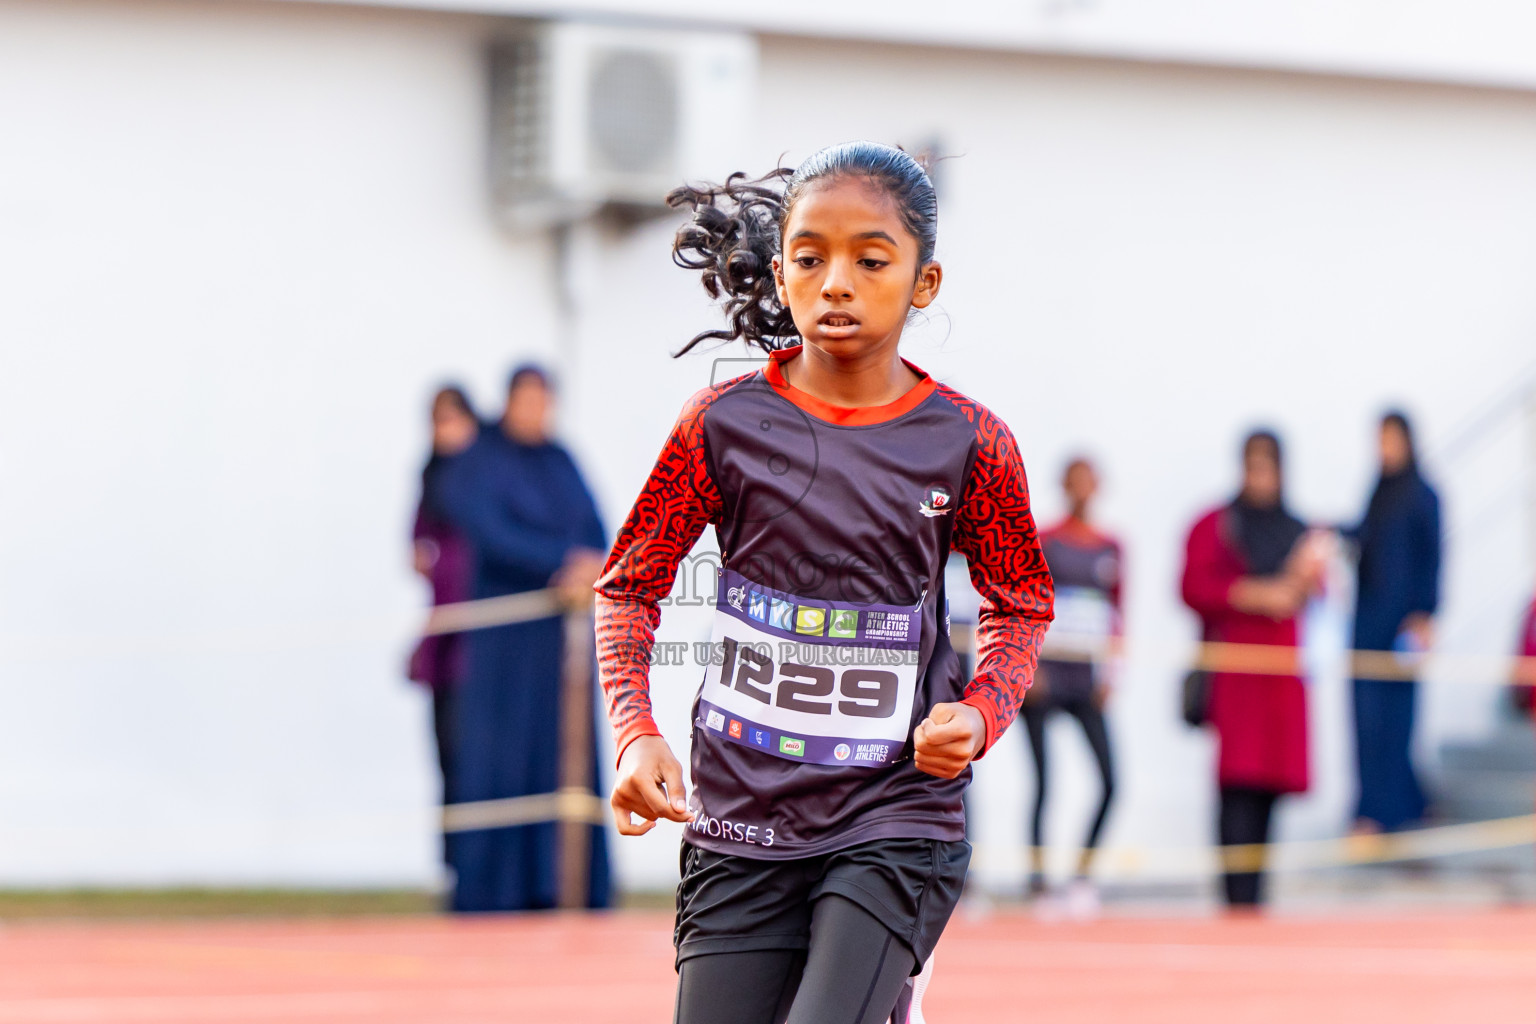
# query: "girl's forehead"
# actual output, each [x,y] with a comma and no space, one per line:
[845,205]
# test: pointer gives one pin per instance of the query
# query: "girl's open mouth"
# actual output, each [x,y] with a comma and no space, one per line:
[838,319]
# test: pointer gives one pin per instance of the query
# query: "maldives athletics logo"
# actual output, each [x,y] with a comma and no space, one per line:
[937,501]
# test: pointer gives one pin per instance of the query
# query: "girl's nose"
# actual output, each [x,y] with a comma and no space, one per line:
[838,284]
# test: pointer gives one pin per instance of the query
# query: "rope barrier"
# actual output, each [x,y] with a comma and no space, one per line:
[579,806]
[585,808]
[1242,659]
[459,617]
[1110,863]
[564,805]
[1275,660]
[1128,863]
[488,612]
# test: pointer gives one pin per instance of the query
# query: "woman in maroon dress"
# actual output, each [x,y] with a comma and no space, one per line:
[1524,681]
[1248,574]
[441,556]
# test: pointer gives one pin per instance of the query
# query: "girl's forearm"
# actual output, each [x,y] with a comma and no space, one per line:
[626,632]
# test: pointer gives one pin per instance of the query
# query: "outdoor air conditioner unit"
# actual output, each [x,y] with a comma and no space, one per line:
[585,116]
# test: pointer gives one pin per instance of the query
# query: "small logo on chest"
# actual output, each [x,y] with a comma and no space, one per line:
[937,501]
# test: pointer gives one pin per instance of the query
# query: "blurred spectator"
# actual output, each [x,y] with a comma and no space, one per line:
[1247,574]
[441,556]
[1086,566]
[1523,685]
[1398,592]
[530,521]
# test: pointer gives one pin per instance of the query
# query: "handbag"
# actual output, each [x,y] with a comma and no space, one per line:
[1196,697]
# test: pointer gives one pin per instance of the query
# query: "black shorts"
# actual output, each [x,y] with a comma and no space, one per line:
[729,904]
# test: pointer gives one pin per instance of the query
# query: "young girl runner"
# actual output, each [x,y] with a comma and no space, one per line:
[833,733]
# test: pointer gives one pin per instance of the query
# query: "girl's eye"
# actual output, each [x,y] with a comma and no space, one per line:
[806,261]
[872,263]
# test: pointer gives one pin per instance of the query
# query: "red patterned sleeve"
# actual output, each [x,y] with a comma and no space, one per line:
[995,531]
[678,500]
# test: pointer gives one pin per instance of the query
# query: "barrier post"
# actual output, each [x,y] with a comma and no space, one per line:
[575,760]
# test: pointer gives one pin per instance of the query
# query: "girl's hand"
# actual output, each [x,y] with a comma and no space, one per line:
[948,739]
[650,784]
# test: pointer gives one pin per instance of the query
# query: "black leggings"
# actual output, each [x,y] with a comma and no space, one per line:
[852,974]
[444,703]
[1091,717]
[1245,819]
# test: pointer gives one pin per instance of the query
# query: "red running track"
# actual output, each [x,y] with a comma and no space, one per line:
[1403,969]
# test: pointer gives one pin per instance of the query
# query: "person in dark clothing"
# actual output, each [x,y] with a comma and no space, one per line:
[1248,572]
[1086,566]
[520,502]
[1522,683]
[1399,547]
[442,557]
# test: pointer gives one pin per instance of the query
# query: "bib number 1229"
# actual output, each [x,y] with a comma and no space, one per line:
[809,689]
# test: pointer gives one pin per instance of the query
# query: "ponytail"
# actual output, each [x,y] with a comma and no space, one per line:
[732,239]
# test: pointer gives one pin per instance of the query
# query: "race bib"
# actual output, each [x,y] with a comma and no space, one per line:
[823,682]
[1083,612]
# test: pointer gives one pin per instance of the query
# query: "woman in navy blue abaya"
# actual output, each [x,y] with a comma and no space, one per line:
[1398,593]
[519,500]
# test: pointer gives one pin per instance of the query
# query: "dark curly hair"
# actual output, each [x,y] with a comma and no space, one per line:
[736,230]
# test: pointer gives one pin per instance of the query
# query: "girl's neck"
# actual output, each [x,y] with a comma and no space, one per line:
[874,378]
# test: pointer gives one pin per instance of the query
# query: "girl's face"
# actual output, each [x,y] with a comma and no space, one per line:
[849,271]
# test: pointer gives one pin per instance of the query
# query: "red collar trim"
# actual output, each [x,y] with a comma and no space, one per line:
[841,415]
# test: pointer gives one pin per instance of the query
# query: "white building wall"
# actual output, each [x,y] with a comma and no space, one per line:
[1485,42]
[242,242]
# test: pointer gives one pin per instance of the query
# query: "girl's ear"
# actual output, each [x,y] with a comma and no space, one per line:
[778,281]
[929,277]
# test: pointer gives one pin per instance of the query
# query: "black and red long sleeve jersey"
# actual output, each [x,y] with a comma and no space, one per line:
[831,638]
